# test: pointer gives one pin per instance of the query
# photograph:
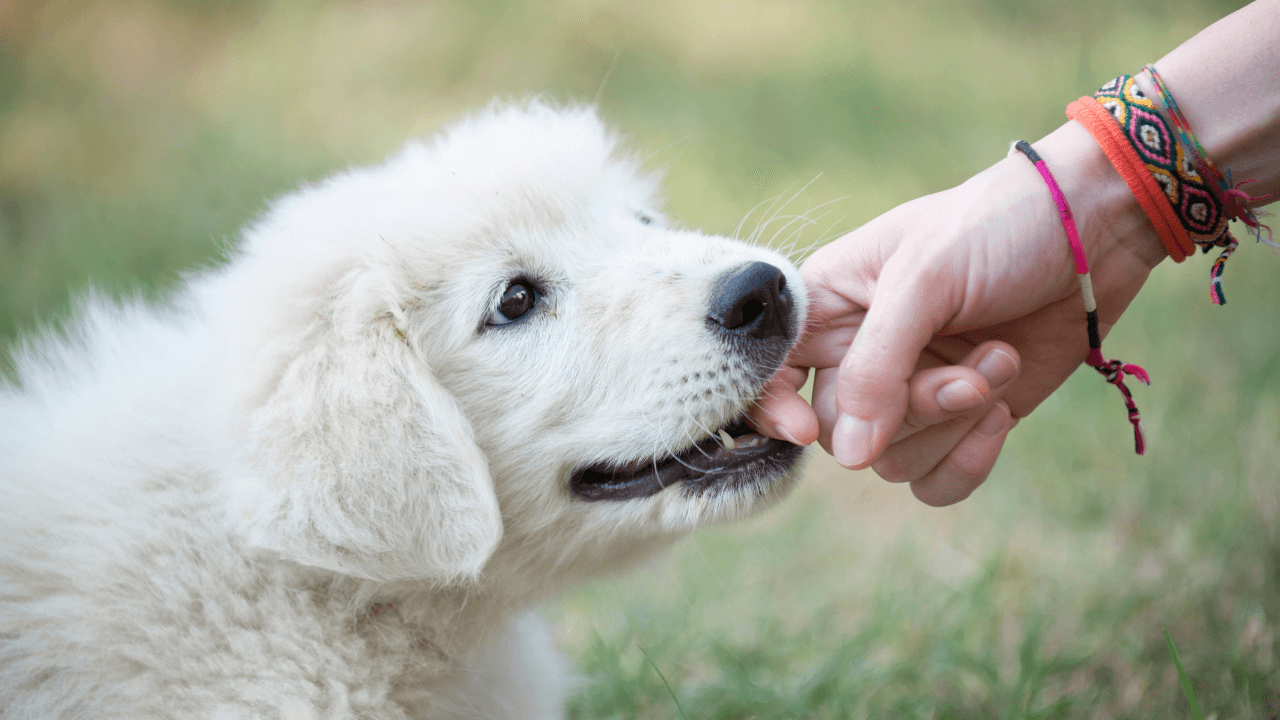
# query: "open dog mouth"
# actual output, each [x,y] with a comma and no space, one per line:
[734,456]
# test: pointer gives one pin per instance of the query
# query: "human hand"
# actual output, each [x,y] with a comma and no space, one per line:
[899,302]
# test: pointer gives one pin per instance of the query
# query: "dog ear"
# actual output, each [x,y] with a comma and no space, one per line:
[360,462]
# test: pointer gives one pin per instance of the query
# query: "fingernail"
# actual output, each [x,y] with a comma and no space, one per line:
[998,367]
[994,422]
[786,435]
[851,441]
[958,396]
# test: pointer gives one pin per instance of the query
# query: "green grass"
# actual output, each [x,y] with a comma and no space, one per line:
[137,138]
[665,684]
[1190,692]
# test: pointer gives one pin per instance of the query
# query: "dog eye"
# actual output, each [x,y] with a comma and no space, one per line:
[644,219]
[518,300]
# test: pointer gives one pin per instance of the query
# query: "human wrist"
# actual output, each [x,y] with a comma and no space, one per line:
[1110,221]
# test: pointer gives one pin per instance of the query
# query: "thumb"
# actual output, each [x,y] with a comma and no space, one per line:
[873,384]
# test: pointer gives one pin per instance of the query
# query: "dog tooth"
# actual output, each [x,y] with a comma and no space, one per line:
[727,440]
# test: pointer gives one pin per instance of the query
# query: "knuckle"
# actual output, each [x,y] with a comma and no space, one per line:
[854,379]
[939,493]
[970,468]
[910,426]
[890,469]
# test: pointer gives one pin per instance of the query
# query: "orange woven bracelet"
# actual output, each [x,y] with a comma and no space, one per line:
[1111,138]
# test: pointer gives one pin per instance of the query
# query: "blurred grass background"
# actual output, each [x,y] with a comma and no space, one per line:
[136,137]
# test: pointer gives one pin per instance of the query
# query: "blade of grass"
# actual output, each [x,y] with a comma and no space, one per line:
[664,682]
[1182,675]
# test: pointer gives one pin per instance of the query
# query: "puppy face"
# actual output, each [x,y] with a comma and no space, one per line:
[591,357]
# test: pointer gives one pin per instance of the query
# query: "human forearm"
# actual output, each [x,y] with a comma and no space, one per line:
[1226,80]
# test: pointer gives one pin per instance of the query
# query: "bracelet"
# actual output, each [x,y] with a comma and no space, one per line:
[1172,163]
[1115,143]
[1113,370]
[1178,166]
[1234,200]
[1197,167]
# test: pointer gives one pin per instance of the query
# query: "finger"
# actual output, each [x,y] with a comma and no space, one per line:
[996,365]
[826,345]
[782,413]
[939,394]
[919,454]
[942,393]
[824,404]
[839,278]
[916,455]
[872,391]
[969,464]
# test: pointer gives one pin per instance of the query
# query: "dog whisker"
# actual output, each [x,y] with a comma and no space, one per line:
[793,197]
[783,245]
[695,444]
[789,242]
[806,213]
[737,232]
[766,217]
[708,432]
[828,236]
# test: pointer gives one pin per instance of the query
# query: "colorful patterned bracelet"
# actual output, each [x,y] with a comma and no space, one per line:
[1172,163]
[1195,165]
[1113,370]
[1115,143]
[1234,200]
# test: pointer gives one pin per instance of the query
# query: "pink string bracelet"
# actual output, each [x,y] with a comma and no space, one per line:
[1113,370]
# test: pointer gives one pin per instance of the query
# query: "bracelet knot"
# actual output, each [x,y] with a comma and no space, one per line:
[1113,371]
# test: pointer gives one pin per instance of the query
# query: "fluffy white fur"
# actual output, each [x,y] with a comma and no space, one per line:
[313,486]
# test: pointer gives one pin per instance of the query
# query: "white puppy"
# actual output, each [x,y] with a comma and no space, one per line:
[331,478]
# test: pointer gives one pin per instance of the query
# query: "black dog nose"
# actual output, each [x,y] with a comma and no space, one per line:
[753,300]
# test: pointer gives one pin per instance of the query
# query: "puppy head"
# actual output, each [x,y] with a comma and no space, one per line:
[499,318]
